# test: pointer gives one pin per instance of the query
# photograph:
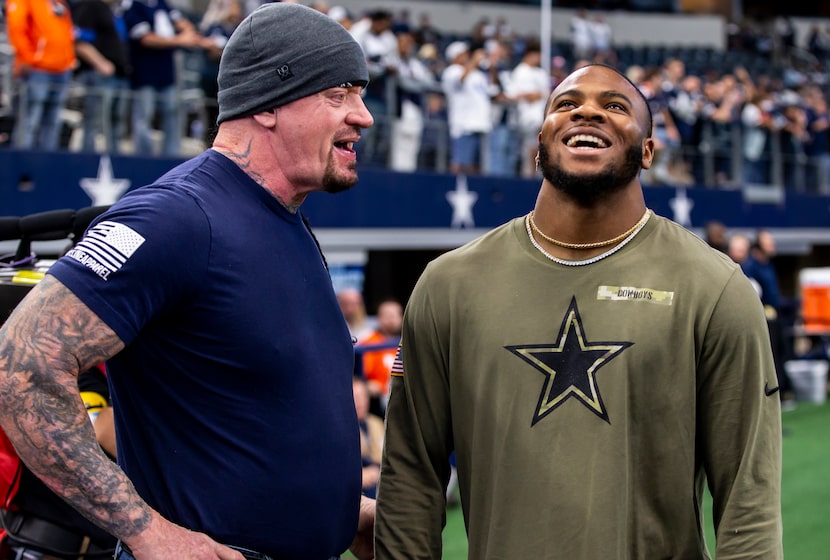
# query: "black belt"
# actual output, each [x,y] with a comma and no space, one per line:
[51,538]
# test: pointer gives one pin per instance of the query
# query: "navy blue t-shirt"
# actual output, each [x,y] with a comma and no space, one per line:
[233,398]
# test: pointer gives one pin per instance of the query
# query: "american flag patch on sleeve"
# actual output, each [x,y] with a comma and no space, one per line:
[397,366]
[106,247]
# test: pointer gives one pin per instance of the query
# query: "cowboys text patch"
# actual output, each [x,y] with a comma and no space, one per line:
[629,293]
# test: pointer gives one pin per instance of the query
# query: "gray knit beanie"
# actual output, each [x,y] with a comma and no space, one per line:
[282,52]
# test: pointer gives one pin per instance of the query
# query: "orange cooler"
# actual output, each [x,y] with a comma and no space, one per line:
[815,299]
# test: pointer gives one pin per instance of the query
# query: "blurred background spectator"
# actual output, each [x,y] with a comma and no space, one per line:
[529,87]
[354,311]
[413,80]
[42,36]
[468,92]
[156,31]
[503,142]
[371,437]
[377,352]
[220,19]
[754,112]
[375,36]
[103,72]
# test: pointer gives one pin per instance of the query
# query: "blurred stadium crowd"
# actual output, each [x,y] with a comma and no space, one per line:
[753,113]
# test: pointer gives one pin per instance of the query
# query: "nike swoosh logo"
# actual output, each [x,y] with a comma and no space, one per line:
[769,392]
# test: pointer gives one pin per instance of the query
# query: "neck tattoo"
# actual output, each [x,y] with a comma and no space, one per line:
[623,241]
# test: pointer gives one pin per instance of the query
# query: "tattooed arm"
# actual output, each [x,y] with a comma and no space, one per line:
[49,339]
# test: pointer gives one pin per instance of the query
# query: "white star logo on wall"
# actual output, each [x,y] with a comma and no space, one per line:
[682,206]
[104,189]
[462,201]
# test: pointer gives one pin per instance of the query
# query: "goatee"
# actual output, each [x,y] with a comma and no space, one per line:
[332,183]
[587,189]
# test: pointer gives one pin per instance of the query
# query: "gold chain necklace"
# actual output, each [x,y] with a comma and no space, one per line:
[594,245]
[592,260]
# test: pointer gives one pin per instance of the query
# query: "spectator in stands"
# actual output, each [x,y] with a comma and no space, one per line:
[582,40]
[685,106]
[43,39]
[220,20]
[430,57]
[224,424]
[380,46]
[371,437]
[402,23]
[795,136]
[104,70]
[784,38]
[354,311]
[818,43]
[817,147]
[342,16]
[723,100]
[413,80]
[377,364]
[558,70]
[435,140]
[156,31]
[602,38]
[469,107]
[480,34]
[321,6]
[529,87]
[502,142]
[666,136]
[758,122]
[673,71]
[426,33]
[715,235]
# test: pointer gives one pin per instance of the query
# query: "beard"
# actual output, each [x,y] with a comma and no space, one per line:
[587,189]
[335,183]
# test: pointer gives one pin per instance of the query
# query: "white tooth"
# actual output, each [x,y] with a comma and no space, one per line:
[586,138]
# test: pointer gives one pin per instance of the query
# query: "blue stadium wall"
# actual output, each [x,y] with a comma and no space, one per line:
[389,209]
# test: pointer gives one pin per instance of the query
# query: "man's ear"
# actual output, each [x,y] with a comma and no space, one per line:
[648,153]
[268,119]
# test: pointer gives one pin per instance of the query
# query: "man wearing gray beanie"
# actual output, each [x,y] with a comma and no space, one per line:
[209,299]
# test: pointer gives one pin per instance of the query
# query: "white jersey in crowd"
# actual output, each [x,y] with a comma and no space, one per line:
[528,79]
[468,101]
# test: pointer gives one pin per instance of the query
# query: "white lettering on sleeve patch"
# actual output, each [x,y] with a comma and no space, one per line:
[106,247]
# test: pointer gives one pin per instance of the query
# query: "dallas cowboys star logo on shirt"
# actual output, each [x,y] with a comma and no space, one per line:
[569,365]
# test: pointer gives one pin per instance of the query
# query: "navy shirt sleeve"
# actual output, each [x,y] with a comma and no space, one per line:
[141,258]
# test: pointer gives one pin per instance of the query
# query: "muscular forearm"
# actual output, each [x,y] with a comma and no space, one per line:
[44,345]
[59,446]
